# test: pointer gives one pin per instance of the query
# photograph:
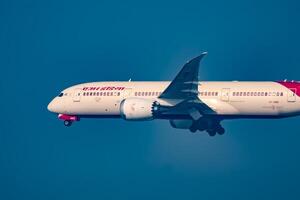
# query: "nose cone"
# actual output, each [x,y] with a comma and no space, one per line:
[57,105]
[51,106]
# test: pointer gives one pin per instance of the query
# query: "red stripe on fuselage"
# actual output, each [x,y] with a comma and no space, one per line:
[293,86]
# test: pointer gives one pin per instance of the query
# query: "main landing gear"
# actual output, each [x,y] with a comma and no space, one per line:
[67,123]
[212,127]
[212,132]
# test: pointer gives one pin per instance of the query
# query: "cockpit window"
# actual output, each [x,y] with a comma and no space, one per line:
[61,94]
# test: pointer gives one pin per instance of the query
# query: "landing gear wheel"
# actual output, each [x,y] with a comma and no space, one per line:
[211,132]
[193,129]
[221,131]
[67,123]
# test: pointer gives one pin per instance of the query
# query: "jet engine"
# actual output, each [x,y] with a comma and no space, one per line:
[137,109]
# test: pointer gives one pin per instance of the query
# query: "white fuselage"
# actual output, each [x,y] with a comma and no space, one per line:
[232,99]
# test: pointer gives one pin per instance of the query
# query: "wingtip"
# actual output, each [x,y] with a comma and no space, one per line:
[202,54]
[198,57]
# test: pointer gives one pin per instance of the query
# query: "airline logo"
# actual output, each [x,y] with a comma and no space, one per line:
[102,88]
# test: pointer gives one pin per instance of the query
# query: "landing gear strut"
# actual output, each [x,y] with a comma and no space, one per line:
[67,123]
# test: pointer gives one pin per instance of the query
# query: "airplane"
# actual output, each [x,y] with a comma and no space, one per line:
[186,102]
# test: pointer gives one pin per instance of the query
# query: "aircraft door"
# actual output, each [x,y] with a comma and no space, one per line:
[76,95]
[292,95]
[225,94]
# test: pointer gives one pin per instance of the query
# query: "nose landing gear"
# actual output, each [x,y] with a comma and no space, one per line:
[67,123]
[68,119]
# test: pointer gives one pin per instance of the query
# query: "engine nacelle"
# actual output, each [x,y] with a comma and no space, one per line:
[181,123]
[138,109]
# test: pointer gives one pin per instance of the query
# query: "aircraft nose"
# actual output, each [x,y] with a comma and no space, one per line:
[51,106]
[56,106]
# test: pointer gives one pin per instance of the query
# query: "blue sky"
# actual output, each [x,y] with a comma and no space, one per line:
[46,46]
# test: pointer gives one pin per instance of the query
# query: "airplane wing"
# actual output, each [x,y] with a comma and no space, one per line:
[185,87]
[185,84]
